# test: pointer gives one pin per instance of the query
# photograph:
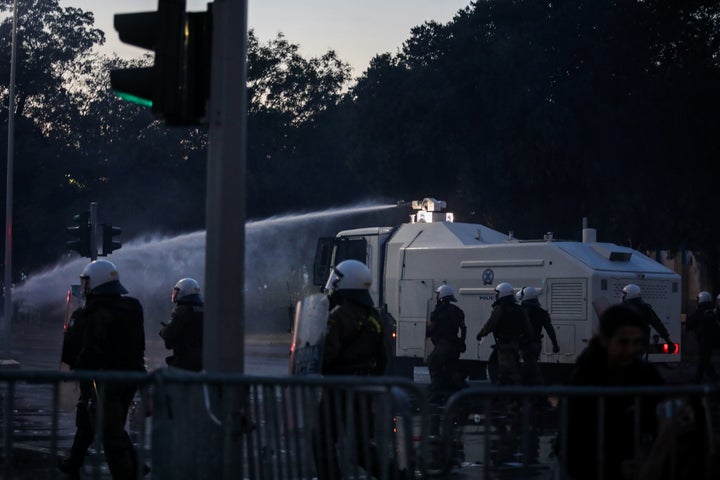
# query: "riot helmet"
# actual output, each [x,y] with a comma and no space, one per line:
[502,290]
[350,279]
[528,293]
[185,288]
[101,276]
[704,297]
[630,291]
[446,292]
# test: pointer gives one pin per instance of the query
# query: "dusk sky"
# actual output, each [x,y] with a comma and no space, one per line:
[356,29]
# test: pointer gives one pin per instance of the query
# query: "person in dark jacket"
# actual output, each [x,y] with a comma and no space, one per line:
[612,358]
[512,331]
[446,322]
[631,295]
[539,319]
[113,340]
[705,322]
[354,345]
[184,333]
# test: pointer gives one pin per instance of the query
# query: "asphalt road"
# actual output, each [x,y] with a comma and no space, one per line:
[37,347]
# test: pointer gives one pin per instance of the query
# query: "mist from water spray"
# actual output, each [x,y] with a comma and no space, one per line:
[279,253]
[310,216]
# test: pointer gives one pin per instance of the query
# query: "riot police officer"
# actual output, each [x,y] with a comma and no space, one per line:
[184,333]
[512,331]
[539,320]
[113,339]
[704,321]
[446,320]
[631,296]
[354,345]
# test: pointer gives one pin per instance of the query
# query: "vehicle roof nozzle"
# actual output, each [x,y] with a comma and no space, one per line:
[429,205]
[429,210]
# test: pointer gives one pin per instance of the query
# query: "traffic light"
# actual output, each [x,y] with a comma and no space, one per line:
[108,244]
[80,234]
[177,86]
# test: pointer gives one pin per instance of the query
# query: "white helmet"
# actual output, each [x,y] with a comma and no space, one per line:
[100,273]
[528,293]
[445,291]
[351,280]
[349,275]
[185,287]
[503,290]
[704,297]
[630,291]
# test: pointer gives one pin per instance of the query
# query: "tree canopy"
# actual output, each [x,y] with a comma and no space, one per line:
[522,115]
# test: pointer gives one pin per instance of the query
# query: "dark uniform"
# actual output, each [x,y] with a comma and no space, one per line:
[443,363]
[705,321]
[512,331]
[354,345]
[354,342]
[651,320]
[73,339]
[113,338]
[539,319]
[184,334]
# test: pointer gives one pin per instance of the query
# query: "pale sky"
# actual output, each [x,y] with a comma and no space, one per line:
[356,29]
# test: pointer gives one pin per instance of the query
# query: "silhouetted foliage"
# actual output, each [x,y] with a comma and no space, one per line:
[522,115]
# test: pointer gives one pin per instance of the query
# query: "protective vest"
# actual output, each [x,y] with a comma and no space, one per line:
[354,342]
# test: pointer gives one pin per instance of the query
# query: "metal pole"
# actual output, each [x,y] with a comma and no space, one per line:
[6,323]
[93,231]
[224,327]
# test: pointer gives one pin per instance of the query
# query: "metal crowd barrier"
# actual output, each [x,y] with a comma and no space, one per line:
[230,426]
[517,432]
[224,426]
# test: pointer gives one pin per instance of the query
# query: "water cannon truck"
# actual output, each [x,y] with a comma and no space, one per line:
[576,281]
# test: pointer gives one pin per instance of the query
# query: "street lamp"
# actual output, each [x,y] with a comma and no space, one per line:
[6,322]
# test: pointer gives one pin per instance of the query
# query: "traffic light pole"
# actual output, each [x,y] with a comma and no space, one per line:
[224,327]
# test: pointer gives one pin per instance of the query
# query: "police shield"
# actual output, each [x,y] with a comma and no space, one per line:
[306,351]
[69,390]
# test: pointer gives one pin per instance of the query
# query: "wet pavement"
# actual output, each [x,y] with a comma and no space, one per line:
[510,455]
[37,347]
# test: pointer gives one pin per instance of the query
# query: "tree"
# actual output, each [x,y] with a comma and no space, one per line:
[288,97]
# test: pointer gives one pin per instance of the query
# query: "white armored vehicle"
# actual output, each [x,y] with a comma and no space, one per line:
[576,280]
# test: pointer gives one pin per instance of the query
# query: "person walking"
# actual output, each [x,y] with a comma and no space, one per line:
[354,345]
[705,322]
[631,295]
[512,331]
[447,320]
[184,333]
[539,319]
[113,340]
[612,358]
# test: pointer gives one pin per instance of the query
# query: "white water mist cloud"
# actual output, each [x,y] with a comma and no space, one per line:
[278,265]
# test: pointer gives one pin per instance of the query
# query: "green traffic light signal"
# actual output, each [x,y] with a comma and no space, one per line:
[163,32]
[177,86]
[134,99]
[134,85]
